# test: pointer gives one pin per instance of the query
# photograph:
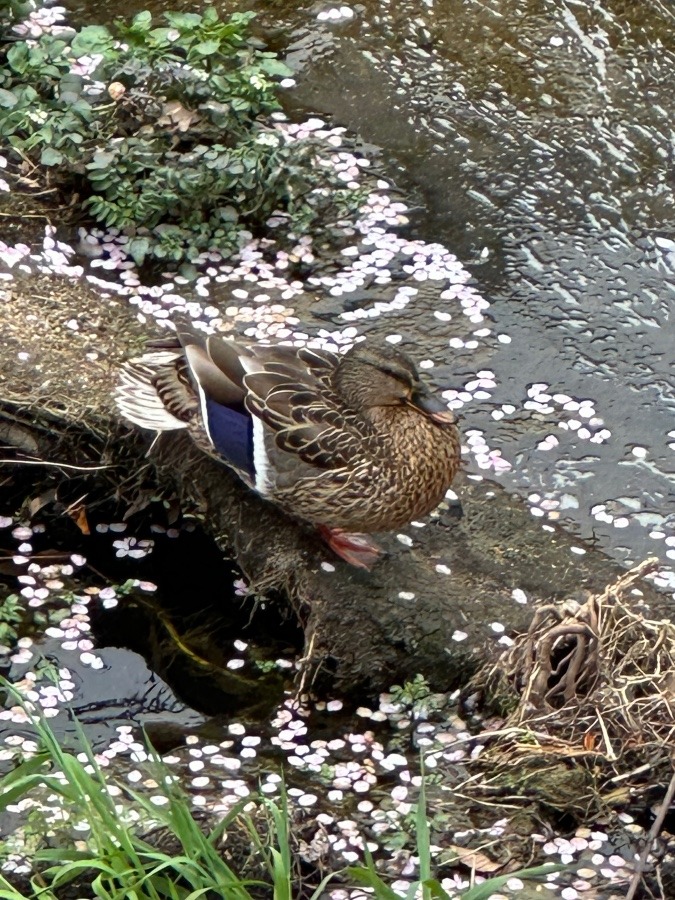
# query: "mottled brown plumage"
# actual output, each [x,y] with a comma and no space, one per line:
[350,443]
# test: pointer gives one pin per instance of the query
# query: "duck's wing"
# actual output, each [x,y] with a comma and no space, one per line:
[154,392]
[270,411]
[301,412]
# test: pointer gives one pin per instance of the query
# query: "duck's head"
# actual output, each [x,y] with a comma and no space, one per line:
[375,375]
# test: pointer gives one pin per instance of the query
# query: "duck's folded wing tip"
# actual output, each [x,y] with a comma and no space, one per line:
[137,398]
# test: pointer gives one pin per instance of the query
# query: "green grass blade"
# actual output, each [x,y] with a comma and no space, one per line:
[201,864]
[436,892]
[69,870]
[422,834]
[26,784]
[219,830]
[368,877]
[325,881]
[281,827]
[281,875]
[26,767]
[7,892]
[492,885]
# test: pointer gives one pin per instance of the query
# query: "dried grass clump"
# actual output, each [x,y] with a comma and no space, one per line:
[593,678]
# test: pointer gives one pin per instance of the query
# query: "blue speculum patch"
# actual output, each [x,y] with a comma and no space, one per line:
[232,435]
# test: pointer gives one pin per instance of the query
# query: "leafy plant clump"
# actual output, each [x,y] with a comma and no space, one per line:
[112,841]
[167,130]
[177,858]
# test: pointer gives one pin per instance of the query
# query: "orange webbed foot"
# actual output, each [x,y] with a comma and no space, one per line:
[356,549]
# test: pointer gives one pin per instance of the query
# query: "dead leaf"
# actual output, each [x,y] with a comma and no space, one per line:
[42,500]
[79,516]
[172,510]
[176,116]
[475,860]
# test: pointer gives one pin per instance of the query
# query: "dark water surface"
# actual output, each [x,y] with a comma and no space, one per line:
[538,138]
[537,141]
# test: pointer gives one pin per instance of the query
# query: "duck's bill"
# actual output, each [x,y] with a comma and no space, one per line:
[444,418]
[435,409]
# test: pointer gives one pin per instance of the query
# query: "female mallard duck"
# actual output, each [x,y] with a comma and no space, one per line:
[353,443]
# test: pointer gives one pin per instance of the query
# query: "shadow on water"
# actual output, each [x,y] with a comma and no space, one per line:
[187,628]
[169,656]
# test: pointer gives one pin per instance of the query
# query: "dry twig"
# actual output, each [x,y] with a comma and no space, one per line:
[654,832]
[597,677]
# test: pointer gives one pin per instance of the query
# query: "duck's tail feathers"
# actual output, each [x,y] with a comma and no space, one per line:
[137,395]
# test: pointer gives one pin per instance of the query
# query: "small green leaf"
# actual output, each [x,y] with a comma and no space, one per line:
[210,16]
[275,67]
[228,214]
[183,21]
[161,35]
[36,57]
[70,88]
[206,48]
[17,57]
[91,39]
[83,109]
[141,22]
[101,159]
[138,248]
[51,157]
[241,20]
[8,99]
[27,94]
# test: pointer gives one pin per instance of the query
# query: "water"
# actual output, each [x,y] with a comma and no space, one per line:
[538,139]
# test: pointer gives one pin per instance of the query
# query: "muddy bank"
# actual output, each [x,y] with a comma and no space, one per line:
[436,604]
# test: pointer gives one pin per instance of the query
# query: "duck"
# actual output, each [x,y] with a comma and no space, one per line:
[352,443]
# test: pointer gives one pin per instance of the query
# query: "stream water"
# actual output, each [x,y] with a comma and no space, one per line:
[538,140]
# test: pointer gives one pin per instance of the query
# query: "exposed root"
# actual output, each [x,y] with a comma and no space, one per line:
[598,675]
[589,683]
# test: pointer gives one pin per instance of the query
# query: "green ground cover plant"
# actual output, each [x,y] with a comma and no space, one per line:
[164,129]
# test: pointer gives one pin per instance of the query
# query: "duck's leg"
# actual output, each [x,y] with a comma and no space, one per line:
[356,549]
